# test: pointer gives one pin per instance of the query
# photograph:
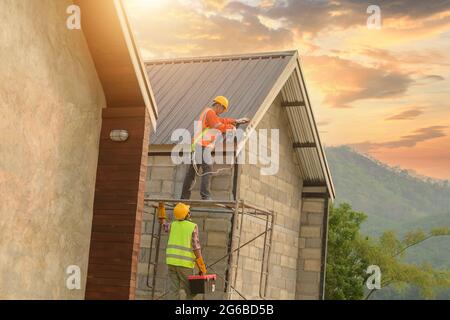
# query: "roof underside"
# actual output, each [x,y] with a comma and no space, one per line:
[183,88]
[302,131]
[117,59]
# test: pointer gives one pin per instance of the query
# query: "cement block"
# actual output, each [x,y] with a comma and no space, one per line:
[153,186]
[144,254]
[307,297]
[315,218]
[314,243]
[163,173]
[309,253]
[309,277]
[312,265]
[167,187]
[309,289]
[221,183]
[310,232]
[313,205]
[217,239]
[145,241]
[163,161]
[200,222]
[217,224]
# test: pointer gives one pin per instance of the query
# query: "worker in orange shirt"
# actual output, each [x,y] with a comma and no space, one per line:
[212,126]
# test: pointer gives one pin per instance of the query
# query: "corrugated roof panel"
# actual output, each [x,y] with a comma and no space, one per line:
[302,131]
[187,86]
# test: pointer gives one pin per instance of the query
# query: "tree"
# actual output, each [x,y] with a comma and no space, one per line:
[350,253]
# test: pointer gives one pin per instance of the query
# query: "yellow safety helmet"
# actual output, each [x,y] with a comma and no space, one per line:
[223,101]
[180,211]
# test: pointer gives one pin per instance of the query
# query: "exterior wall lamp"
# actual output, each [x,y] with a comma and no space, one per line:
[119,135]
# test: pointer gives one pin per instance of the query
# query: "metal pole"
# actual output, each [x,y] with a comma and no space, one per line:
[151,248]
[239,244]
[263,259]
[231,247]
[155,266]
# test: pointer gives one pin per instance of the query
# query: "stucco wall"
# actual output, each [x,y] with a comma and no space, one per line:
[50,118]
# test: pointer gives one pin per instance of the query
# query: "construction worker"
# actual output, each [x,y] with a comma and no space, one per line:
[204,140]
[183,252]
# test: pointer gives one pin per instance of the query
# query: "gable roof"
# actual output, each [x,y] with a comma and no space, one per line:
[183,87]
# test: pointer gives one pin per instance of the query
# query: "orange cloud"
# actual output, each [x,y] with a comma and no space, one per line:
[177,30]
[407,114]
[214,4]
[430,158]
[410,140]
[345,82]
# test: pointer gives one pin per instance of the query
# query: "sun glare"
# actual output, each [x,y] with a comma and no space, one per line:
[148,3]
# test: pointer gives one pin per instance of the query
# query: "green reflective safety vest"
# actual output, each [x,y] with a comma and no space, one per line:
[179,248]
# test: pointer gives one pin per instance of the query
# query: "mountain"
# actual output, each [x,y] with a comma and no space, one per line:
[394,199]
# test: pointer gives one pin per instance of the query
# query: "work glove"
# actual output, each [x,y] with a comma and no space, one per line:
[161,213]
[242,121]
[201,266]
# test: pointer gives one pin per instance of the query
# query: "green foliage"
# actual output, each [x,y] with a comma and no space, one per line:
[394,200]
[345,268]
[350,253]
[387,253]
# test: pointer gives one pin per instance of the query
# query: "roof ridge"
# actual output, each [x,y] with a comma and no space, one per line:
[223,57]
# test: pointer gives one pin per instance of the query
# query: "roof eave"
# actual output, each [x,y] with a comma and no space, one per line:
[319,146]
[117,59]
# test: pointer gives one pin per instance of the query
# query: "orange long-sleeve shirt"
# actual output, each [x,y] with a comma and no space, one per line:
[213,121]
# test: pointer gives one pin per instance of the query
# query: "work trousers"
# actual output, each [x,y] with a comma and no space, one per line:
[178,280]
[189,180]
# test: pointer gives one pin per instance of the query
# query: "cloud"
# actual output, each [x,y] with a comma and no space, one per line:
[407,114]
[177,30]
[409,141]
[214,4]
[313,16]
[344,81]
[323,123]
[426,57]
[434,77]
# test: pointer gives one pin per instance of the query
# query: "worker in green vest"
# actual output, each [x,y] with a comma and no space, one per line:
[183,252]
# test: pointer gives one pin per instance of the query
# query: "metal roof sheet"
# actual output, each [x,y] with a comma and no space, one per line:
[184,87]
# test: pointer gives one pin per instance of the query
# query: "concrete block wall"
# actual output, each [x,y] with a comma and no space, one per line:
[165,180]
[295,258]
[282,194]
[310,249]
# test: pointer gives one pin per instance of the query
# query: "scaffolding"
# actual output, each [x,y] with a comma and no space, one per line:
[238,210]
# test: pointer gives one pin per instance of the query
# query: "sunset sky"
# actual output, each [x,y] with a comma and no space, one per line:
[386,92]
